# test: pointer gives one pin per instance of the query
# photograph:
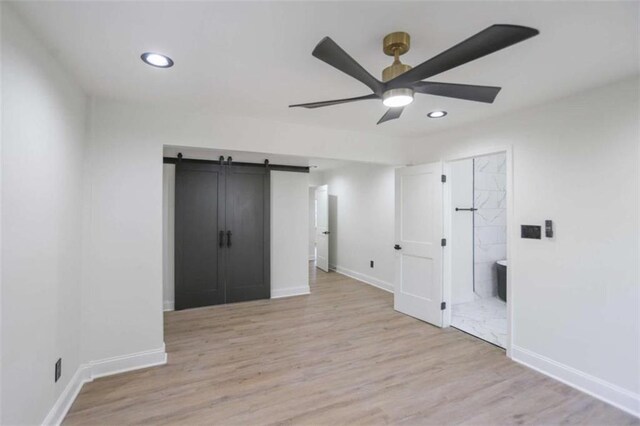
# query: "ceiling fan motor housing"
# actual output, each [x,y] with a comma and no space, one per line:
[395,44]
[392,71]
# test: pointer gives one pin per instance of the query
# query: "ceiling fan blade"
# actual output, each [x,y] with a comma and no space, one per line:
[490,40]
[335,101]
[329,51]
[459,91]
[391,114]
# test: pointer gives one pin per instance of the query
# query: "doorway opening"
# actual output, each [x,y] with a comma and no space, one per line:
[478,257]
[319,227]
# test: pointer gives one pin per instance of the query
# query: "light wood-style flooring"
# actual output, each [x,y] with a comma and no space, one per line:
[341,355]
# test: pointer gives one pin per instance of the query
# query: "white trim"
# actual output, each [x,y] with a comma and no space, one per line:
[382,285]
[121,364]
[63,404]
[95,369]
[168,305]
[446,253]
[598,388]
[291,291]
[312,257]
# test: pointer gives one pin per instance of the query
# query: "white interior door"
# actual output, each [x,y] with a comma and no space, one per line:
[322,228]
[418,286]
[461,244]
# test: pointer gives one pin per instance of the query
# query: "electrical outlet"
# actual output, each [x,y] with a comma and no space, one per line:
[371,263]
[58,369]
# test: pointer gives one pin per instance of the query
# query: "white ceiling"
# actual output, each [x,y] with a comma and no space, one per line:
[254,58]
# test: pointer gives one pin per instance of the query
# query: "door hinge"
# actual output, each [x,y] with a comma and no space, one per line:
[443,306]
[443,178]
[443,242]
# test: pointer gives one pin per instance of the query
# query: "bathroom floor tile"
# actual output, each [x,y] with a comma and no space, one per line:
[485,318]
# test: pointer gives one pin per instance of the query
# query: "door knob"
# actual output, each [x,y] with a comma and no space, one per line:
[326,232]
[397,247]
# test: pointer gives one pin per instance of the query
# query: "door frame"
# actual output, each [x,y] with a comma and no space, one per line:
[446,278]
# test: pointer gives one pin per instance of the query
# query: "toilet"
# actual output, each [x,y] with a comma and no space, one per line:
[501,265]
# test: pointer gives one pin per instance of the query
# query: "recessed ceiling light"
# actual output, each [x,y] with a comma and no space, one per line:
[156,60]
[437,114]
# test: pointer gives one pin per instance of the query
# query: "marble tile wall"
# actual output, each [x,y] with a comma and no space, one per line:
[490,221]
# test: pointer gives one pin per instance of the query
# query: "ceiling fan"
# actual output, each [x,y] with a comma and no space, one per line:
[400,81]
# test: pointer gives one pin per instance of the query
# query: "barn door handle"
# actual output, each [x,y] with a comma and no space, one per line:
[326,232]
[228,238]
[397,247]
[221,239]
[465,210]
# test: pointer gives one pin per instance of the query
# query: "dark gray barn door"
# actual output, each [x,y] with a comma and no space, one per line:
[199,219]
[221,234]
[247,206]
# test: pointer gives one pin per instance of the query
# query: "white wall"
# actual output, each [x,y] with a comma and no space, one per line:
[575,298]
[43,131]
[122,309]
[361,221]
[1,274]
[289,233]
[316,178]
[168,235]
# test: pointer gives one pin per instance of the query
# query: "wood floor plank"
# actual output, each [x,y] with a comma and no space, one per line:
[340,355]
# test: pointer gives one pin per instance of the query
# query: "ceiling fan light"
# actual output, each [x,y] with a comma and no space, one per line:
[397,97]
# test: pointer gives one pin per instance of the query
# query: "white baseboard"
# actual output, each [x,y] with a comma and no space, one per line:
[312,257]
[68,395]
[121,364]
[598,388]
[95,369]
[291,291]
[168,305]
[382,285]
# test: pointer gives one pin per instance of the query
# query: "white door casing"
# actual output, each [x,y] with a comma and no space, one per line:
[322,228]
[418,232]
